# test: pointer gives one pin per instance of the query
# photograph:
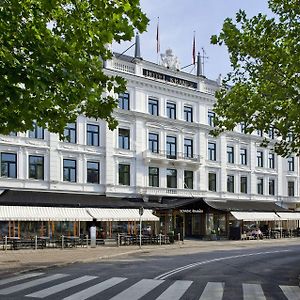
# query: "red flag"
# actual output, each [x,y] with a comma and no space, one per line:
[194,50]
[157,37]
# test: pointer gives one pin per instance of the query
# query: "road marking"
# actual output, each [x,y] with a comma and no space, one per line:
[186,267]
[32,283]
[138,290]
[61,287]
[95,289]
[213,291]
[291,292]
[176,290]
[20,277]
[253,292]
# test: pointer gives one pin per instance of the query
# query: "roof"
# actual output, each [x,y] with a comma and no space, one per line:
[251,206]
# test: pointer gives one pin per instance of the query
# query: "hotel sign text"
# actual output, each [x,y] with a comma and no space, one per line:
[168,78]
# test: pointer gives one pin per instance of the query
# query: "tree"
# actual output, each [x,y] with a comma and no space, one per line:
[51,60]
[263,89]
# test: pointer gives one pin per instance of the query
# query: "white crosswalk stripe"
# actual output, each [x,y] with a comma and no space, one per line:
[168,291]
[176,290]
[138,290]
[32,283]
[95,289]
[18,278]
[253,292]
[291,292]
[61,287]
[213,291]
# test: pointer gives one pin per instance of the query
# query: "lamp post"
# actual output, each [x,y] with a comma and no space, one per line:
[141,212]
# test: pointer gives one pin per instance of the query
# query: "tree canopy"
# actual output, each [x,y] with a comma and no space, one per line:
[263,89]
[51,60]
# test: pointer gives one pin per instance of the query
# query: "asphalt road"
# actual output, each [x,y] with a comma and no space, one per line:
[264,273]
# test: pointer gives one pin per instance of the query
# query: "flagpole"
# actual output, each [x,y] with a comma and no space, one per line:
[157,41]
[194,50]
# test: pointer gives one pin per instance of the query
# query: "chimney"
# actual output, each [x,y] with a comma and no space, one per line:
[137,51]
[199,69]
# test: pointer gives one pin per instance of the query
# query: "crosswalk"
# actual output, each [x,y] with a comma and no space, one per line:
[65,286]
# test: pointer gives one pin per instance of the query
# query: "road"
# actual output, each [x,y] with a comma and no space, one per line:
[266,273]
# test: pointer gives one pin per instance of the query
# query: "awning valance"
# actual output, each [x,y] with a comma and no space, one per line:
[255,216]
[35,213]
[289,215]
[118,214]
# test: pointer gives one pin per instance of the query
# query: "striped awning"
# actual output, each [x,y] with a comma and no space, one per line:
[119,214]
[289,215]
[255,216]
[35,213]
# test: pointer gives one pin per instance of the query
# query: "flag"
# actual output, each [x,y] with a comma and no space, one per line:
[194,50]
[157,37]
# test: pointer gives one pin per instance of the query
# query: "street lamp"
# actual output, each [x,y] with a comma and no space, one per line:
[141,212]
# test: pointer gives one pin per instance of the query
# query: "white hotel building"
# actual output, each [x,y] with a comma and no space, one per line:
[161,153]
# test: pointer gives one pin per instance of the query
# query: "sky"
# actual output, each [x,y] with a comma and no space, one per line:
[179,19]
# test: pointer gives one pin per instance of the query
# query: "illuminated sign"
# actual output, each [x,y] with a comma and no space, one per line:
[191,211]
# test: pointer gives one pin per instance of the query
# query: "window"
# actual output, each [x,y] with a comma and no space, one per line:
[291,163]
[259,132]
[124,142]
[212,182]
[271,187]
[230,154]
[212,155]
[124,101]
[230,183]
[271,159]
[260,186]
[70,133]
[244,184]
[124,174]
[154,176]
[210,118]
[92,172]
[188,148]
[188,113]
[171,147]
[171,178]
[260,159]
[13,133]
[37,132]
[153,142]
[291,188]
[153,107]
[70,170]
[9,165]
[36,167]
[188,179]
[242,127]
[171,110]
[92,135]
[271,133]
[243,156]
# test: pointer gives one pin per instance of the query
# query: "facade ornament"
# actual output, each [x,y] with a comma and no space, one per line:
[169,60]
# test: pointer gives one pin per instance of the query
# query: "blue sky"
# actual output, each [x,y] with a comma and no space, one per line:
[178,19]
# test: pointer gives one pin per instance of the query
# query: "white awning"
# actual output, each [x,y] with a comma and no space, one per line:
[35,213]
[289,215]
[118,214]
[255,216]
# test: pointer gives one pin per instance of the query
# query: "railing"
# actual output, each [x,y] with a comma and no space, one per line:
[163,154]
[123,67]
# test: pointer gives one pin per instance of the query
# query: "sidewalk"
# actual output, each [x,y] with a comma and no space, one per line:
[27,260]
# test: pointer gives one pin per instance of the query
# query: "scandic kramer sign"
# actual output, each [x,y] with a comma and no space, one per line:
[168,78]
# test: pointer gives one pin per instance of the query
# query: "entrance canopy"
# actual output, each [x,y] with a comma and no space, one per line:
[255,216]
[35,213]
[118,214]
[289,215]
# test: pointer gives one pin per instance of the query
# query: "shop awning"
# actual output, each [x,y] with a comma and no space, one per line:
[35,213]
[255,216]
[118,214]
[289,215]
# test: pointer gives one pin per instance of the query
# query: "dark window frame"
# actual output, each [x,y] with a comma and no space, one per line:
[7,164]
[260,186]
[171,147]
[153,176]
[212,151]
[153,108]
[92,136]
[70,133]
[212,181]
[188,179]
[230,154]
[71,175]
[210,118]
[291,163]
[92,174]
[153,142]
[260,158]
[244,184]
[291,188]
[271,160]
[124,101]
[188,148]
[36,167]
[37,132]
[124,138]
[171,110]
[171,178]
[124,174]
[243,156]
[271,186]
[188,113]
[230,183]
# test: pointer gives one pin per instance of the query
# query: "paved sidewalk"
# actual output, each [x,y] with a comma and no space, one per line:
[13,261]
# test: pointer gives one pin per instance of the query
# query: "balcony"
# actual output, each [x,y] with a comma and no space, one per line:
[174,159]
[161,192]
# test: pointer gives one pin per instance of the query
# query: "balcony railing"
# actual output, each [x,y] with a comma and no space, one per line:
[178,156]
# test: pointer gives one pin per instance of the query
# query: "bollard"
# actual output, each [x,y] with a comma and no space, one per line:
[62,242]
[160,239]
[178,238]
[118,240]
[35,242]
[5,242]
[87,241]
